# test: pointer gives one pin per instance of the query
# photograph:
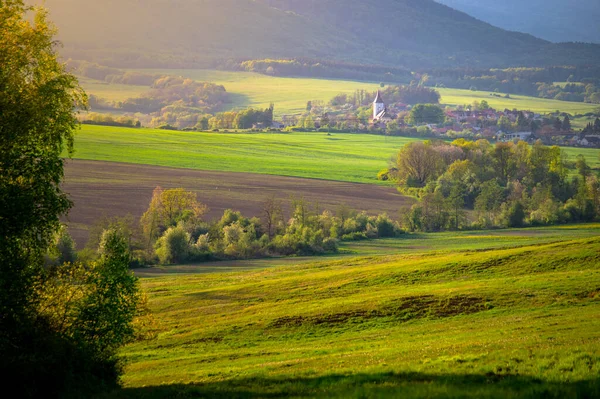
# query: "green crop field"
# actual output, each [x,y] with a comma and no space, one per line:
[534,104]
[455,322]
[290,95]
[342,157]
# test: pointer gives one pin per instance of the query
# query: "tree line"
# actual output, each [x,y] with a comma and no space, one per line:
[110,75]
[413,94]
[174,230]
[502,185]
[584,82]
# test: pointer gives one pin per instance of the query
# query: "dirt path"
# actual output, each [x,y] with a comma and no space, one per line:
[117,189]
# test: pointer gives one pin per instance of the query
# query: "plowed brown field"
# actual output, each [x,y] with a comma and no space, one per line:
[116,189]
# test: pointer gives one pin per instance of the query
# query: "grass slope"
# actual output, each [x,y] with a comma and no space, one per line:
[341,157]
[520,322]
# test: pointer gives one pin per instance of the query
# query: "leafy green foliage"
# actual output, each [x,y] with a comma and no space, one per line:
[105,315]
[60,326]
[36,125]
[236,237]
[508,185]
[426,113]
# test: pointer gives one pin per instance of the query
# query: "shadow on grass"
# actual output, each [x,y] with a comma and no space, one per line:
[382,385]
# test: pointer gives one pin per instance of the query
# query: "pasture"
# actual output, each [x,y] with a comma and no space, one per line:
[520,321]
[341,157]
[290,95]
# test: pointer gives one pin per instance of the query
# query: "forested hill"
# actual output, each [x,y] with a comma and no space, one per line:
[410,33]
[554,20]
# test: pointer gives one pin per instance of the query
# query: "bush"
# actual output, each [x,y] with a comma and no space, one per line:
[385,227]
[330,245]
[356,236]
[513,214]
[173,246]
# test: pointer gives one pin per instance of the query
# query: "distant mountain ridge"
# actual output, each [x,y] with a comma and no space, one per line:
[411,33]
[553,20]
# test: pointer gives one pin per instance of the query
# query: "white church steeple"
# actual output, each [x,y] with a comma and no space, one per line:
[378,105]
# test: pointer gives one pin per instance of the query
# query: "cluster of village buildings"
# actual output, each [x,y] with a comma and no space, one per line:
[480,123]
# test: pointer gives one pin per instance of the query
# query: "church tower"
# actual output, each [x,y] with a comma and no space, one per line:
[378,105]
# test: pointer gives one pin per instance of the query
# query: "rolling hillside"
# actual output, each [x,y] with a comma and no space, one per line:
[519,323]
[195,33]
[554,20]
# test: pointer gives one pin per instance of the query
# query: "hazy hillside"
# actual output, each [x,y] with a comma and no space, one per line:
[190,32]
[554,20]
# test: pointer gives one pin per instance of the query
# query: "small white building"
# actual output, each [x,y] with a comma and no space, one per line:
[519,136]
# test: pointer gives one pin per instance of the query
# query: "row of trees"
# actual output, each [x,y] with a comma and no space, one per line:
[94,118]
[322,69]
[411,94]
[173,230]
[506,184]
[244,119]
[592,128]
[537,82]
[110,75]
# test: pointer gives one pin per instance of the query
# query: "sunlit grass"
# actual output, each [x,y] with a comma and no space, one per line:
[342,157]
[517,321]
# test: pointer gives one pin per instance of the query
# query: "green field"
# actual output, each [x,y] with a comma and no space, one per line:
[540,105]
[109,91]
[456,322]
[291,94]
[342,157]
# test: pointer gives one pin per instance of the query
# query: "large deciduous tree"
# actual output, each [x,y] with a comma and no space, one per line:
[37,100]
[167,209]
[417,163]
[59,327]
[426,113]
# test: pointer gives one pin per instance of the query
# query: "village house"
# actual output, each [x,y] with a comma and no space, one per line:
[590,141]
[518,136]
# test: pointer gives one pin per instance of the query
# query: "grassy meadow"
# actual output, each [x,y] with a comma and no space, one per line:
[290,95]
[342,157]
[111,91]
[468,319]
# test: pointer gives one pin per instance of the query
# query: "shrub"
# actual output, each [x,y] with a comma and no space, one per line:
[356,236]
[385,226]
[173,246]
[330,245]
